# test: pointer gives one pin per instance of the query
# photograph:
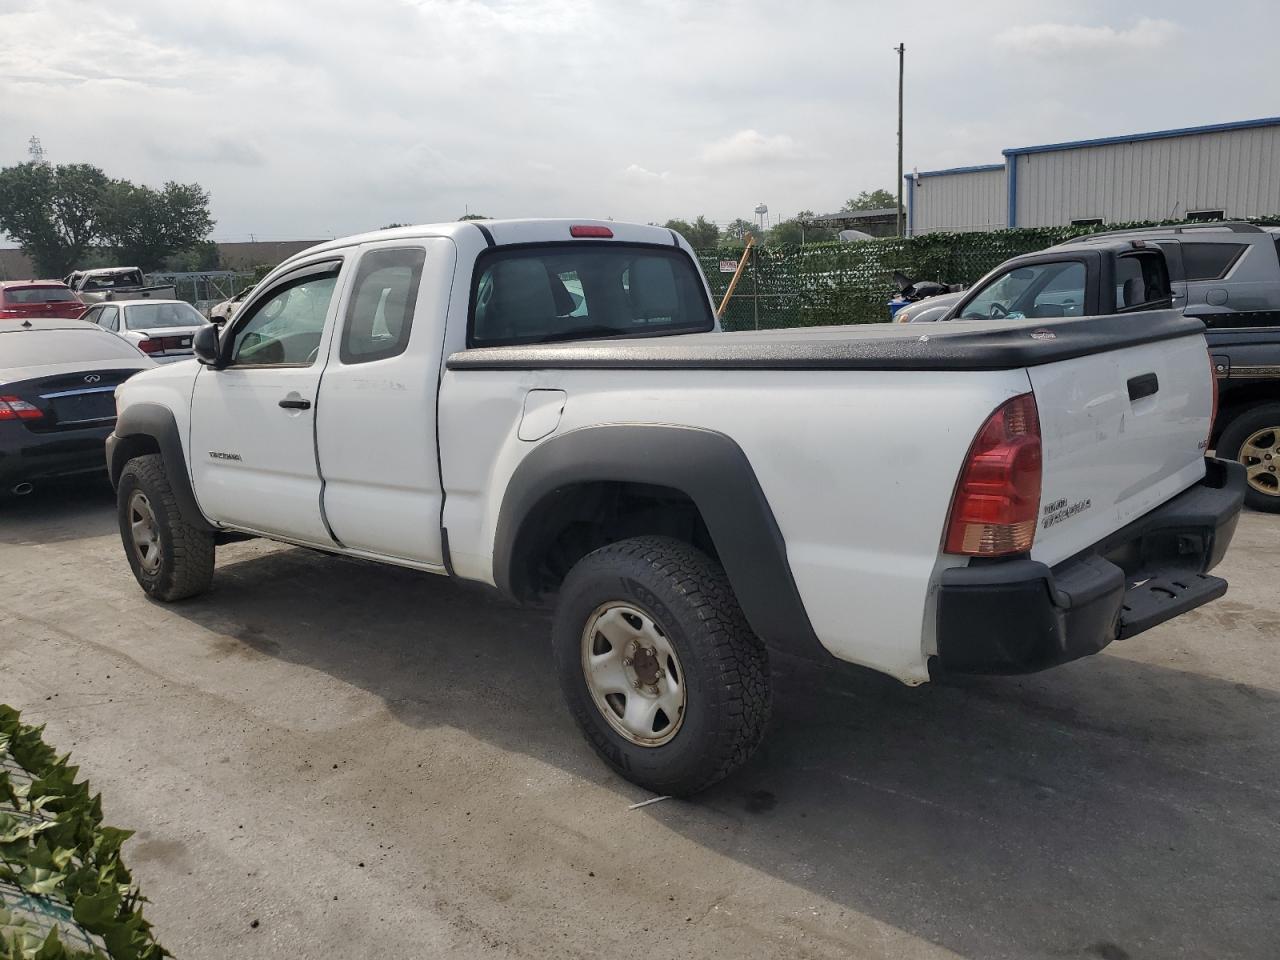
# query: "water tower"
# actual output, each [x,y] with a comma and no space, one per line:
[762,217]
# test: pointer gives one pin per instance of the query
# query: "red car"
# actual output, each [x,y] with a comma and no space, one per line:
[28,299]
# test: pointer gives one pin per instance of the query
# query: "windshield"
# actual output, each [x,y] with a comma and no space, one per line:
[153,316]
[57,294]
[114,281]
[33,348]
[579,291]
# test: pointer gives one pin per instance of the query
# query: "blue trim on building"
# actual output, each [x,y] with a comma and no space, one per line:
[980,168]
[1011,183]
[1139,137]
[911,204]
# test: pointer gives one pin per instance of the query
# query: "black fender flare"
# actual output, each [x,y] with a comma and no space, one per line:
[708,467]
[151,420]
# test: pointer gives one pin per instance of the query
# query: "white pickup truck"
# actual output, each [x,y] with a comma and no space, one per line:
[548,407]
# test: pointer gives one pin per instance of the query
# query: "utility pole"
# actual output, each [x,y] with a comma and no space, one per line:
[901,51]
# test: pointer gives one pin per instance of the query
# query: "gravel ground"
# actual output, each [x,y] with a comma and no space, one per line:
[325,757]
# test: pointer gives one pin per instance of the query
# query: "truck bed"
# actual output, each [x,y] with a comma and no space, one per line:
[972,345]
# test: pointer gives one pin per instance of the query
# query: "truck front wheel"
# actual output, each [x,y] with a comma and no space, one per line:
[659,666]
[1253,438]
[171,559]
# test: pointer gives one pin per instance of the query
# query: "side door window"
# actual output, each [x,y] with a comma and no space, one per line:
[92,315]
[109,319]
[1210,261]
[1055,289]
[283,328]
[1142,282]
[380,307]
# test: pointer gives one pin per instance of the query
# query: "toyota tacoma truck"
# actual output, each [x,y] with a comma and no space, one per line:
[548,407]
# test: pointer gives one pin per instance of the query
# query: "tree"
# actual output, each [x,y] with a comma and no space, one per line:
[875,200]
[702,234]
[146,226]
[474,216]
[793,232]
[53,212]
[197,258]
[737,231]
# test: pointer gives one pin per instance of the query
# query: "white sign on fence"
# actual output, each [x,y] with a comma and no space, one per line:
[728,266]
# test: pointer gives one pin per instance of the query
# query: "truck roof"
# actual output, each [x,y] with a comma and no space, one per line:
[501,233]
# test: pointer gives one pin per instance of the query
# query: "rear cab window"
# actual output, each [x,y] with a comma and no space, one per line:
[1142,282]
[544,293]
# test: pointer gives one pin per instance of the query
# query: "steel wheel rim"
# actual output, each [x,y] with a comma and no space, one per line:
[1260,454]
[145,532]
[633,674]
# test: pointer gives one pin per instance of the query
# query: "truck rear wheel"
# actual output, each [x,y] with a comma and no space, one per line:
[1253,438]
[171,559]
[659,666]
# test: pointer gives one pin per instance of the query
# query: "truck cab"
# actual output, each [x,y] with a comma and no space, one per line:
[1094,278]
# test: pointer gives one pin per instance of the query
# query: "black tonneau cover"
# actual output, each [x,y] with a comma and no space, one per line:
[960,345]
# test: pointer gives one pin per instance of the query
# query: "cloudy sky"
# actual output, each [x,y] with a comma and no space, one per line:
[307,118]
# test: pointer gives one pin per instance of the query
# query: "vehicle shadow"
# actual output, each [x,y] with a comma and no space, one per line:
[1107,809]
[56,511]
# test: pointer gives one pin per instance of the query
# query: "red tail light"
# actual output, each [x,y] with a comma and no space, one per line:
[160,344]
[15,408]
[997,499]
[590,230]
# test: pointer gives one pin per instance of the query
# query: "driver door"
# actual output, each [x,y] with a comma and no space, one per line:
[253,453]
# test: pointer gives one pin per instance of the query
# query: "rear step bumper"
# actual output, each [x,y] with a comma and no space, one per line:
[1018,616]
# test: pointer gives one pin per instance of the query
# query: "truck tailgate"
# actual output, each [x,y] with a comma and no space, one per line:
[1122,432]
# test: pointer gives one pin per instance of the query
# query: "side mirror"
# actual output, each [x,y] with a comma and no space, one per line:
[205,346]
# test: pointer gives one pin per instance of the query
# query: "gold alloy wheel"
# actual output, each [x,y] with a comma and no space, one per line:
[1260,454]
[633,674]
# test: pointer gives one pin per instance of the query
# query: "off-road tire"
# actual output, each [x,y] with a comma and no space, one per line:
[1232,439]
[726,670]
[186,551]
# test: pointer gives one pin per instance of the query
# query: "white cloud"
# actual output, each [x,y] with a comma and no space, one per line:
[750,146]
[642,175]
[303,120]
[1059,38]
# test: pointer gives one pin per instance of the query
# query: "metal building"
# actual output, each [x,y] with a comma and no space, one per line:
[1223,170]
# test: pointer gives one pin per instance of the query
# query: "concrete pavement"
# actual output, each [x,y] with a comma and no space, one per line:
[371,762]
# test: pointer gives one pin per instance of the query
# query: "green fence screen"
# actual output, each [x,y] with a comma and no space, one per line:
[838,282]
